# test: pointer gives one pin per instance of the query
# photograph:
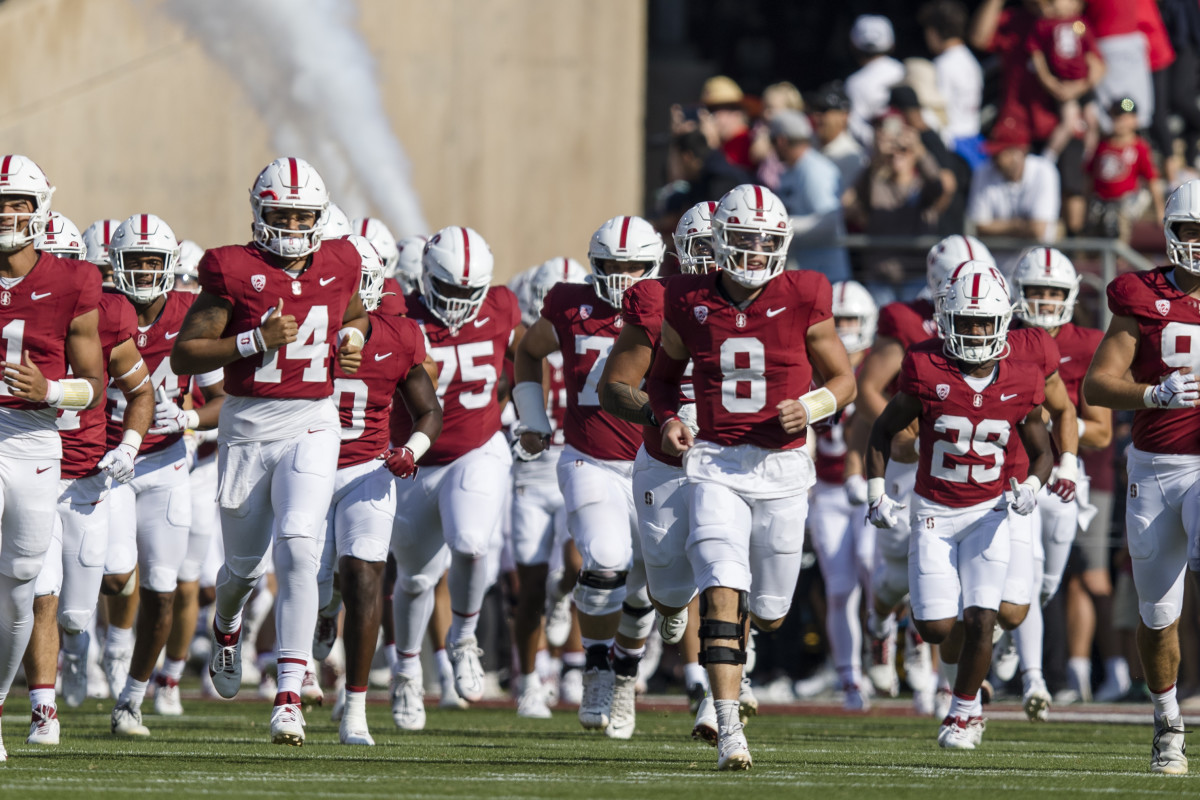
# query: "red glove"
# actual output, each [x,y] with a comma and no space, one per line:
[1064,488]
[401,462]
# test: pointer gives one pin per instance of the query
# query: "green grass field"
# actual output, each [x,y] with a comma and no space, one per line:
[221,750]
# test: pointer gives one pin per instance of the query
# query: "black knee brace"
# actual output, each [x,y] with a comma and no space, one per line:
[720,629]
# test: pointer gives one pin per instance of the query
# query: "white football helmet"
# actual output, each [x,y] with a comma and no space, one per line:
[61,238]
[1183,206]
[190,254]
[949,253]
[625,239]
[751,221]
[288,183]
[375,232]
[692,235]
[143,233]
[975,289]
[337,224]
[97,237]
[20,176]
[458,267]
[1045,266]
[519,285]
[370,288]
[409,269]
[852,301]
[545,277]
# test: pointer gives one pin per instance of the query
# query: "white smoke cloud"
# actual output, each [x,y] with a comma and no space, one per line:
[307,70]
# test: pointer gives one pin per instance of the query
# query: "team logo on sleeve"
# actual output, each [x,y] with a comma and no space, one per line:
[701,313]
[585,311]
[1163,306]
[943,391]
[259,282]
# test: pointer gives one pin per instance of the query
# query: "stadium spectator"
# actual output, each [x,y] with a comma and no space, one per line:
[872,38]
[1016,193]
[776,97]
[730,126]
[1120,165]
[811,191]
[900,194]
[696,172]
[1066,61]
[830,115]
[1132,43]
[955,170]
[1175,87]
[959,76]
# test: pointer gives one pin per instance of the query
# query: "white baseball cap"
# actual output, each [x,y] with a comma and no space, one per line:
[872,33]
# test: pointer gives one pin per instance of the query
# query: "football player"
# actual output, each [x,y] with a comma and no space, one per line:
[272,313]
[151,514]
[69,583]
[539,518]
[359,526]
[451,511]
[968,397]
[594,471]
[757,337]
[1148,362]
[95,239]
[49,324]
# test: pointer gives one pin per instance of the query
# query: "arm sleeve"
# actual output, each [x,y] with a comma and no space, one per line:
[212,277]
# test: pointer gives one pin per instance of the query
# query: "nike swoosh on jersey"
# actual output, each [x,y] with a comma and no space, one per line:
[36,296]
[170,336]
[479,323]
[1004,397]
[381,357]
[772,312]
[40,470]
[327,281]
[1064,359]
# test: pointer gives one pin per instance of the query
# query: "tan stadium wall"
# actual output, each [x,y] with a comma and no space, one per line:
[522,118]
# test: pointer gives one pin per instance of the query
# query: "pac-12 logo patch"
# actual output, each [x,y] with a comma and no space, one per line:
[259,282]
[943,391]
[1163,306]
[701,313]
[585,311]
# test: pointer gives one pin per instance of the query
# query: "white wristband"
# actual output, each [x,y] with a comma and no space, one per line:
[354,335]
[1068,467]
[54,393]
[133,439]
[419,444]
[1034,483]
[74,394]
[1082,426]
[531,407]
[193,419]
[819,403]
[247,343]
[875,489]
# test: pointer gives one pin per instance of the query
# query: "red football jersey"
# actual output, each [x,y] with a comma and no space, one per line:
[365,400]
[1076,346]
[964,433]
[587,328]
[154,342]
[643,306]
[469,363]
[36,314]
[1115,169]
[556,401]
[831,448]
[747,361]
[908,323]
[1168,339]
[1031,346]
[393,302]
[83,432]
[242,276]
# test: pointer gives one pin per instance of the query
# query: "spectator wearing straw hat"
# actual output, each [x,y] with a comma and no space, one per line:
[723,99]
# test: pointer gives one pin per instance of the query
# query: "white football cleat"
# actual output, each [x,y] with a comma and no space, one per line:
[468,671]
[166,697]
[672,628]
[353,730]
[287,725]
[127,721]
[324,636]
[531,704]
[747,702]
[882,671]
[733,753]
[954,734]
[116,669]
[597,698]
[74,678]
[622,713]
[942,702]
[570,687]
[558,620]
[1036,700]
[43,726]
[925,702]
[225,668]
[408,704]
[1168,755]
[705,729]
[975,728]
[310,689]
[449,695]
[1005,659]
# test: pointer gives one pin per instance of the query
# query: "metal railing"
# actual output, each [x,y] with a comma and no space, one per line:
[1110,252]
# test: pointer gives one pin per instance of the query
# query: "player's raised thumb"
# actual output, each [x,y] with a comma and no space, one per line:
[278,310]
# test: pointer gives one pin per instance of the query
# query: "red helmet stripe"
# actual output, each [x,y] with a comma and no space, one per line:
[4,166]
[566,269]
[975,285]
[624,231]
[466,257]
[145,231]
[712,207]
[364,226]
[758,200]
[970,252]
[107,232]
[295,171]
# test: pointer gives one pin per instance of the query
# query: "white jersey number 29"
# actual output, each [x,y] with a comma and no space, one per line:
[988,439]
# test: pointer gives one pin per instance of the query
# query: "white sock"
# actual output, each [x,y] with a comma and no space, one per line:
[173,669]
[462,626]
[693,673]
[961,706]
[1028,639]
[408,665]
[1117,669]
[133,693]
[42,697]
[1080,669]
[949,673]
[727,715]
[356,704]
[541,662]
[445,668]
[575,659]
[389,655]
[118,640]
[530,682]
[1165,703]
[289,674]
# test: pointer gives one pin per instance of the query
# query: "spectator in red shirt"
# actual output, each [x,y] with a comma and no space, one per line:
[1067,63]
[724,100]
[1121,163]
